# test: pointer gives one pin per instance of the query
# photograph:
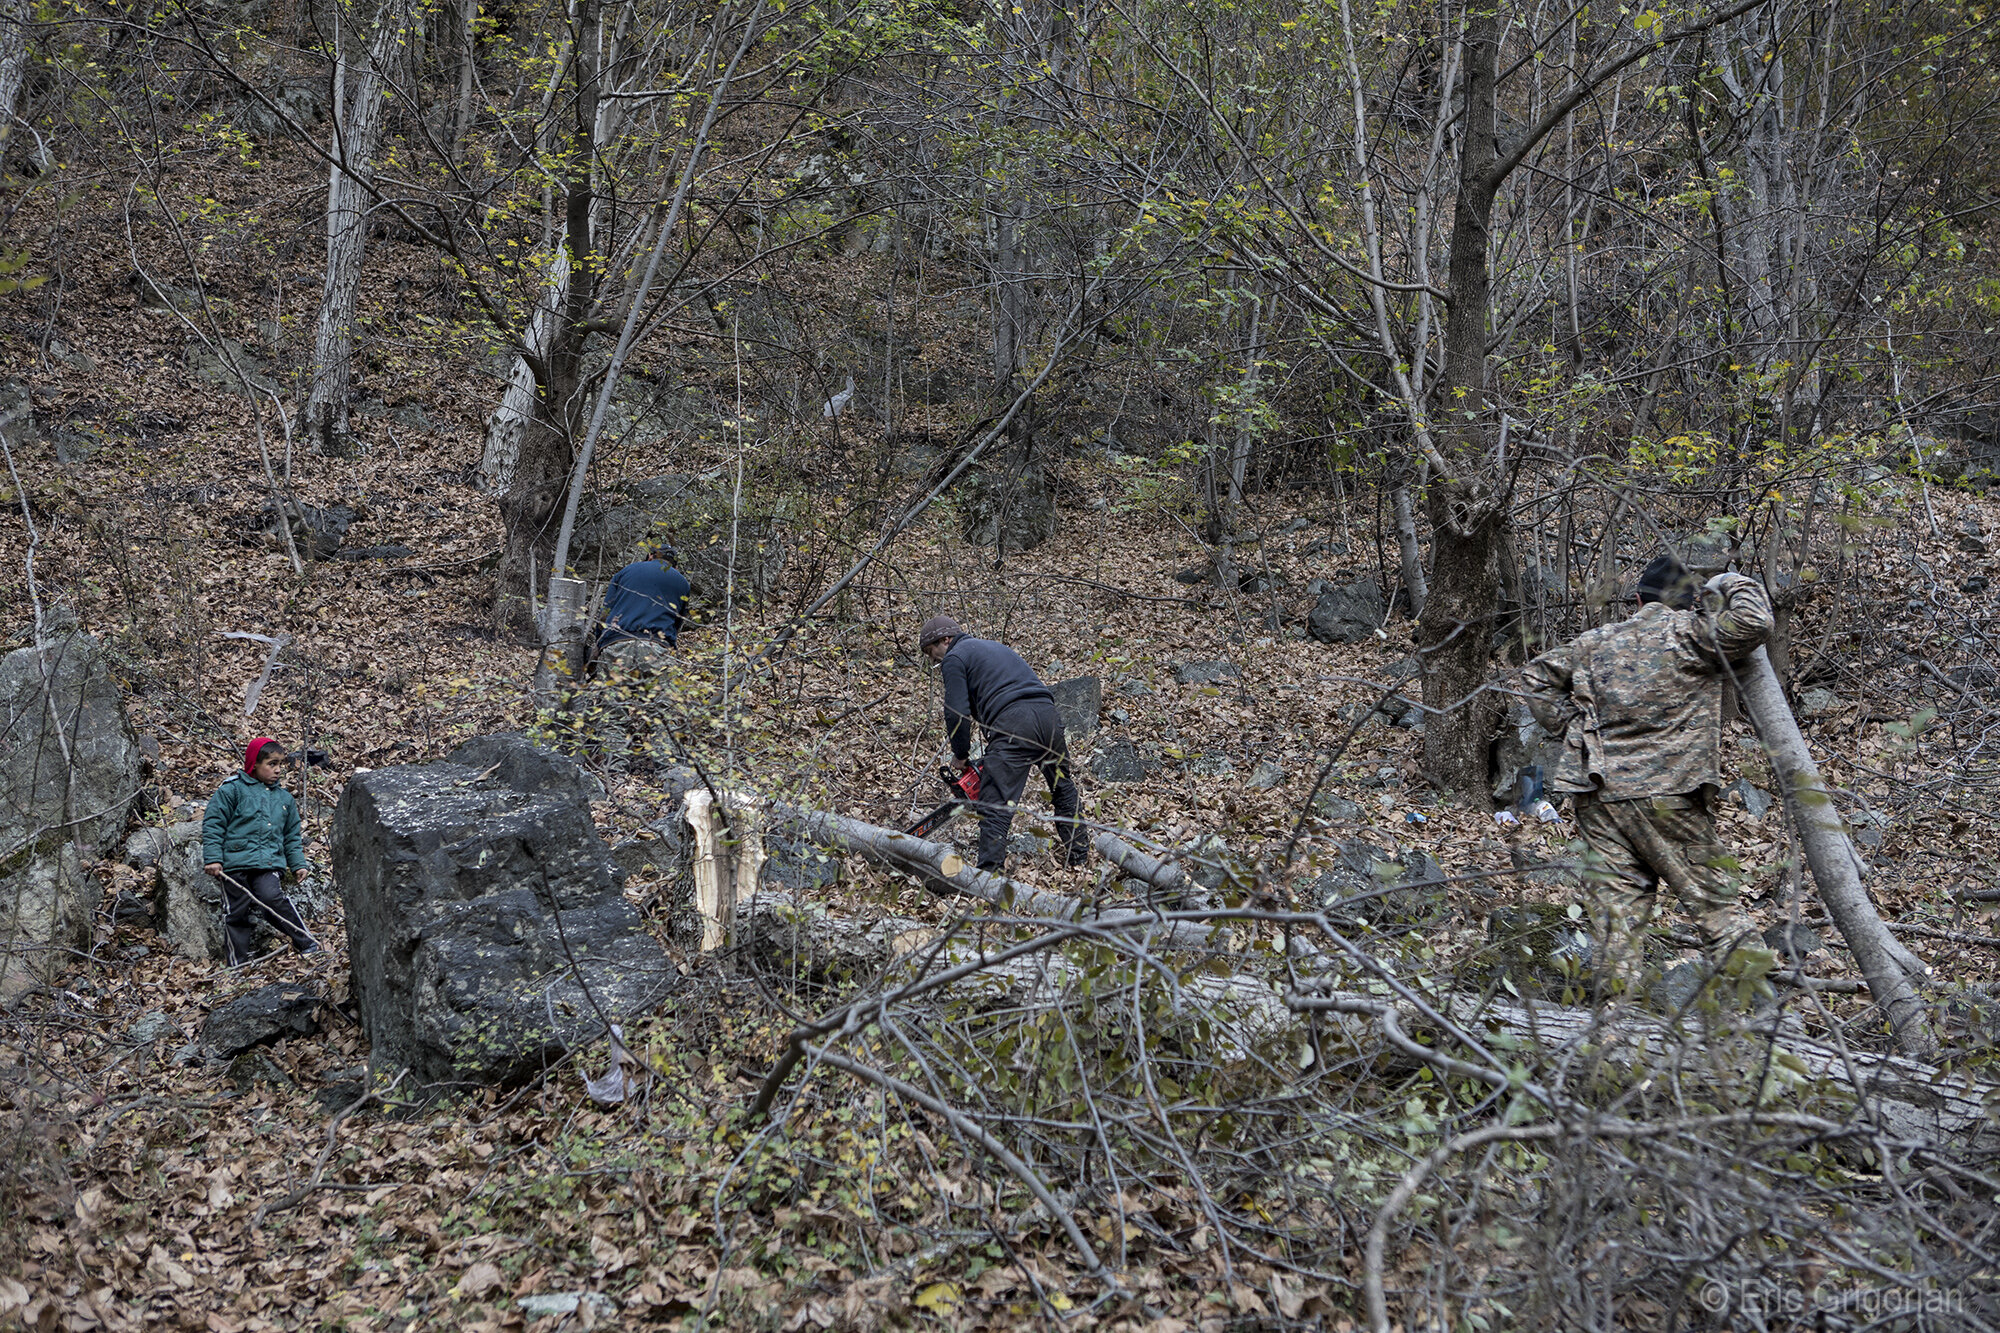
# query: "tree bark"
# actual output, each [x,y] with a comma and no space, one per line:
[532,504]
[14,16]
[1886,964]
[1455,632]
[1415,586]
[358,122]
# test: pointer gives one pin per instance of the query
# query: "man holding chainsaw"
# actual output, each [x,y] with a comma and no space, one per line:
[250,838]
[987,683]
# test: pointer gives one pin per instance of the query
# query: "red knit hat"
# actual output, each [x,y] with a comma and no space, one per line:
[253,750]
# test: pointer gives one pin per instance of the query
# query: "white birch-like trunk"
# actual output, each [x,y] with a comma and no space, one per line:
[1411,551]
[358,122]
[509,422]
[13,60]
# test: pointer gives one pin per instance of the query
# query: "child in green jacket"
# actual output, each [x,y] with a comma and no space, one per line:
[249,838]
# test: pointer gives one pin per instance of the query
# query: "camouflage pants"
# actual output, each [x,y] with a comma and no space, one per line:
[1636,845]
[627,672]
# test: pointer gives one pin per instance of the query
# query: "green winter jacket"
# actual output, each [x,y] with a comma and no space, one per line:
[251,826]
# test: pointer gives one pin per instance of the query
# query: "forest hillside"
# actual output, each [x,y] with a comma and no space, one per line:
[1280,383]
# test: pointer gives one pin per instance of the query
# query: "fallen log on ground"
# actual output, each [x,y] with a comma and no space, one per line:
[1908,1099]
[941,869]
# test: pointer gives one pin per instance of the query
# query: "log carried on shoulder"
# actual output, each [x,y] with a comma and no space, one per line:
[1836,871]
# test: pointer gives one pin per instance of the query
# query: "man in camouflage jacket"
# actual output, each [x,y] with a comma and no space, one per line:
[1639,707]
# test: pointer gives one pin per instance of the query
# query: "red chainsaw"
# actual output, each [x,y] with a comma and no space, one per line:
[964,791]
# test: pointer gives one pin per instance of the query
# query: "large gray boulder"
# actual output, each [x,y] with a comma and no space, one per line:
[1078,702]
[486,929]
[69,774]
[1349,614]
[187,905]
[1013,510]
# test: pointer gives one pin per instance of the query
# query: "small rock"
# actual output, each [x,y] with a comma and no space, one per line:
[374,553]
[131,910]
[1818,702]
[1211,766]
[1976,584]
[1119,760]
[1755,799]
[1206,673]
[138,951]
[1349,614]
[566,1303]
[1132,687]
[1676,990]
[1395,707]
[152,1026]
[1268,774]
[798,865]
[269,1013]
[1337,809]
[1972,542]
[1028,846]
[1794,940]
[1194,575]
[1079,701]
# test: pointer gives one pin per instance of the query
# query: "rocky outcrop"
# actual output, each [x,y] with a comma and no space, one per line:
[486,928]
[698,514]
[1078,702]
[69,774]
[267,1014]
[187,905]
[1349,614]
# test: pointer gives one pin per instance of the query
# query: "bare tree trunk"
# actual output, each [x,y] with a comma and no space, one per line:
[14,16]
[510,422]
[358,122]
[1454,634]
[1835,868]
[1009,299]
[531,506]
[1414,583]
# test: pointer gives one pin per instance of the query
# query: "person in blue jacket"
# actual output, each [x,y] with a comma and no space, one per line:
[250,840]
[643,610]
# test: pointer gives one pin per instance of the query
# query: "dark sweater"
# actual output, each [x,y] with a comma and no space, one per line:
[646,599]
[981,680]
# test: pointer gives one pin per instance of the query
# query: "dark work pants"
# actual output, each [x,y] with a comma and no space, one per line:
[1027,736]
[261,897]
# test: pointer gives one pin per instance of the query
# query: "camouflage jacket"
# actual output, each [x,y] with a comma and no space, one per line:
[1639,703]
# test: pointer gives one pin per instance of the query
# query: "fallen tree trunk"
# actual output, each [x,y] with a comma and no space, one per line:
[1886,964]
[902,961]
[941,869]
[1908,1099]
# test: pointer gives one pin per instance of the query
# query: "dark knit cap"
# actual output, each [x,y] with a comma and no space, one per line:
[1667,580]
[938,627]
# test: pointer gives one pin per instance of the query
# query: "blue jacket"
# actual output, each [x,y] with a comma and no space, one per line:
[981,680]
[646,599]
[251,826]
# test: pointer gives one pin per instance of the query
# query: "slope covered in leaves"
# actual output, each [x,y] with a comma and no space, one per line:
[140,1193]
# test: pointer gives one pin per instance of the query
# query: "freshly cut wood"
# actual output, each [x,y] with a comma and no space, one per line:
[728,858]
[1836,870]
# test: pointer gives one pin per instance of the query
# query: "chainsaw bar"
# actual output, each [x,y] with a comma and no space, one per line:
[930,823]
